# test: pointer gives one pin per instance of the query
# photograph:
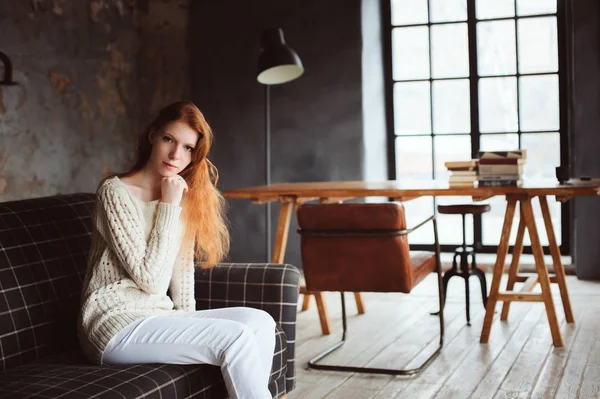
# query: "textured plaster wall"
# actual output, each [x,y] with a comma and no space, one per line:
[90,74]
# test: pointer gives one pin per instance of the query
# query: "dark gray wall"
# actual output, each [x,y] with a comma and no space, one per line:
[317,125]
[373,94]
[585,140]
[90,74]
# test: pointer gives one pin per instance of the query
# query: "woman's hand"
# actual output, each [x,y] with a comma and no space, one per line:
[172,189]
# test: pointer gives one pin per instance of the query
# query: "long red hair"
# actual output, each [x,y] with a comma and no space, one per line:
[203,206]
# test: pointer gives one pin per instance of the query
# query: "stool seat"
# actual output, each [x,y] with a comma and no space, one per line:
[464,209]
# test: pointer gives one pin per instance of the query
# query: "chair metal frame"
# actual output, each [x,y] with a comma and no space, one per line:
[313,363]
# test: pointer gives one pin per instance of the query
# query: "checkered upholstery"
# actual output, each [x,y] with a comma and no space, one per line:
[255,285]
[44,244]
[69,375]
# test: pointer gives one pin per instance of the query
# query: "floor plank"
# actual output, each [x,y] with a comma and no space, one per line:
[467,375]
[590,386]
[397,331]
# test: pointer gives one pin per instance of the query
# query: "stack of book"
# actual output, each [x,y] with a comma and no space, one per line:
[501,168]
[462,173]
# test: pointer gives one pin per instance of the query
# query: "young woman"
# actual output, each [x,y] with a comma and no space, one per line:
[149,224]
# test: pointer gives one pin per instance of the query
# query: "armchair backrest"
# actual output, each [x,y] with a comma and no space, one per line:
[355,247]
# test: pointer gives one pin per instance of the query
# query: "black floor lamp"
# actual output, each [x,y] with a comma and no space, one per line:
[277,64]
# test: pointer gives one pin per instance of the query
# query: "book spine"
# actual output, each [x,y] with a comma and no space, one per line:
[500,170]
[500,183]
[501,161]
[498,177]
[503,154]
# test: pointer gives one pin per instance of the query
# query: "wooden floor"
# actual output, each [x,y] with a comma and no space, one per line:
[518,362]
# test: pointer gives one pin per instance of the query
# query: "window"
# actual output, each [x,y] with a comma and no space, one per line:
[470,75]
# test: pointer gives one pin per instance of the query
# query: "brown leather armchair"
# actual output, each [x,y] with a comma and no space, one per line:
[350,247]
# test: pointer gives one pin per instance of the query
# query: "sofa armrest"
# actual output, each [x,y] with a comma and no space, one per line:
[270,287]
[267,286]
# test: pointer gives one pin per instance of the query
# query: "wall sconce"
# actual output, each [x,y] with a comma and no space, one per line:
[7,79]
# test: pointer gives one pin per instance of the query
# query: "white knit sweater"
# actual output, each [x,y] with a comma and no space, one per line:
[136,255]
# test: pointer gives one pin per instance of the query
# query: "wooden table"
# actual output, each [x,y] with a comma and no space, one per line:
[290,195]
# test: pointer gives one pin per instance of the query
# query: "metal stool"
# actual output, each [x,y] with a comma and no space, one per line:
[463,253]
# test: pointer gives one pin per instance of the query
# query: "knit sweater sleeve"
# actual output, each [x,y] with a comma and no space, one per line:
[182,281]
[148,263]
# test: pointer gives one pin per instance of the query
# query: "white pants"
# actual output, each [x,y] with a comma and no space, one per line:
[240,340]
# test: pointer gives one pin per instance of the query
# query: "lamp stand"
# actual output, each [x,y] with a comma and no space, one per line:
[268,168]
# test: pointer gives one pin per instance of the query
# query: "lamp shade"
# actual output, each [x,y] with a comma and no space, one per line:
[277,62]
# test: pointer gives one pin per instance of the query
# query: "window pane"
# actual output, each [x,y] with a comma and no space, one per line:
[538,102]
[494,8]
[543,155]
[450,51]
[416,211]
[538,45]
[451,113]
[413,162]
[555,214]
[450,148]
[532,7]
[498,142]
[412,108]
[492,222]
[496,48]
[450,226]
[410,47]
[498,105]
[409,12]
[448,10]
[413,158]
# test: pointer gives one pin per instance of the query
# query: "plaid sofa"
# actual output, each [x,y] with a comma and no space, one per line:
[43,252]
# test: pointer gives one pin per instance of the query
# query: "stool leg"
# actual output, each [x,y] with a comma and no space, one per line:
[482,280]
[449,274]
[446,278]
[455,263]
[467,300]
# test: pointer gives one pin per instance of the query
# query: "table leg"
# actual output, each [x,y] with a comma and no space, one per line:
[542,271]
[498,269]
[514,264]
[283,229]
[559,270]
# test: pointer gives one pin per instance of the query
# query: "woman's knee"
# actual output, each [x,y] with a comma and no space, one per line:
[241,338]
[259,319]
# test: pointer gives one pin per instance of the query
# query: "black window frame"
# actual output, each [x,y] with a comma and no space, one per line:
[565,35]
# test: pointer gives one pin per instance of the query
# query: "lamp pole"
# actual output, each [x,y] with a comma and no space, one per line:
[278,63]
[268,166]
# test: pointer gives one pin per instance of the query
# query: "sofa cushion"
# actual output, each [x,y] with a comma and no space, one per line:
[71,376]
[44,245]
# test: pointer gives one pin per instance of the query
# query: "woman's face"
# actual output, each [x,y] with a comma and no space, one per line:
[172,148]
